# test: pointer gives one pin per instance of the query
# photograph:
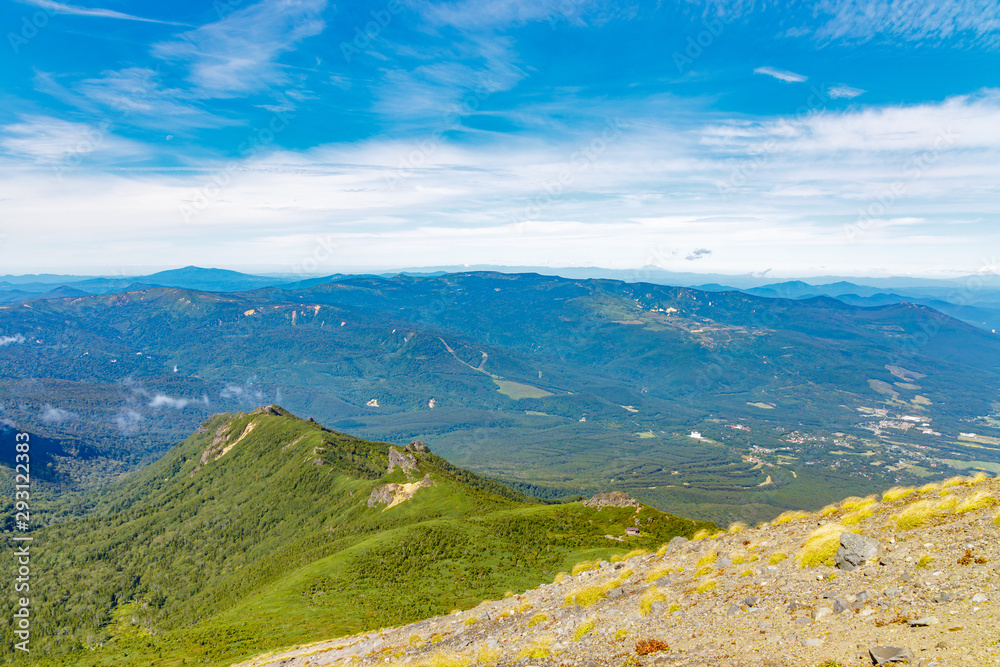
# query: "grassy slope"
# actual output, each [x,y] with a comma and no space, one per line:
[264,548]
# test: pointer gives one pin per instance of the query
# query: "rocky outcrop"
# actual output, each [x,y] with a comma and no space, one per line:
[739,599]
[404,460]
[613,499]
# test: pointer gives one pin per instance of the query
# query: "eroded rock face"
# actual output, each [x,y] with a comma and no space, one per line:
[856,550]
[613,499]
[393,494]
[417,446]
[401,459]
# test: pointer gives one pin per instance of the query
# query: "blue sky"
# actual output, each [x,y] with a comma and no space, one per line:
[310,137]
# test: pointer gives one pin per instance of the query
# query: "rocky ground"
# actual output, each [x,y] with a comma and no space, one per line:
[925,589]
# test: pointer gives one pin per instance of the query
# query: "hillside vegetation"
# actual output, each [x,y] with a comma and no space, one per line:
[910,576]
[263,530]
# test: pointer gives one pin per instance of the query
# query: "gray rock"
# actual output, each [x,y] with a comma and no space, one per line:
[883,655]
[863,597]
[750,601]
[856,550]
[802,621]
[941,598]
[723,562]
[840,605]
[676,542]
[892,592]
[979,598]
[924,622]
[812,642]
[733,610]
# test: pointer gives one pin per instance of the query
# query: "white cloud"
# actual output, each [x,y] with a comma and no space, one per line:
[128,421]
[10,340]
[844,91]
[51,415]
[783,75]
[239,54]
[47,140]
[975,22]
[164,401]
[63,8]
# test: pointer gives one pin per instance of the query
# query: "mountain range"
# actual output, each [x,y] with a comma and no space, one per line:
[716,405]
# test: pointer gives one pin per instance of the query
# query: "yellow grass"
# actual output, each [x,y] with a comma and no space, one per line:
[897,493]
[559,577]
[978,478]
[708,585]
[650,597]
[583,567]
[471,620]
[662,551]
[857,516]
[525,607]
[621,634]
[737,527]
[702,571]
[832,508]
[635,553]
[702,534]
[582,630]
[739,560]
[976,501]
[925,561]
[820,546]
[590,595]
[948,503]
[488,656]
[854,502]
[443,660]
[657,572]
[790,515]
[536,619]
[996,519]
[929,488]
[708,558]
[957,480]
[777,558]
[539,649]
[916,515]
[746,573]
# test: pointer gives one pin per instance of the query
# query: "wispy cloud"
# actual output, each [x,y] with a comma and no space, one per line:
[239,54]
[972,22]
[47,140]
[164,401]
[51,415]
[783,75]
[10,340]
[63,8]
[844,91]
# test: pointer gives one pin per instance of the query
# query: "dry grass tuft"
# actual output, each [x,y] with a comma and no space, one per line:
[583,567]
[820,546]
[707,585]
[929,488]
[539,649]
[702,534]
[832,508]
[708,559]
[777,558]
[978,478]
[976,501]
[657,572]
[583,629]
[897,493]
[650,597]
[996,519]
[559,577]
[737,527]
[790,515]
[916,515]
[957,480]
[856,517]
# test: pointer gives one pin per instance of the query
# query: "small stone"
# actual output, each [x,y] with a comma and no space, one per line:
[802,621]
[840,605]
[924,622]
[812,642]
[942,644]
[821,613]
[979,598]
[723,562]
[856,550]
[941,598]
[750,601]
[883,655]
[733,610]
[892,592]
